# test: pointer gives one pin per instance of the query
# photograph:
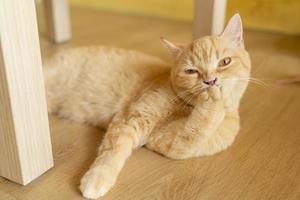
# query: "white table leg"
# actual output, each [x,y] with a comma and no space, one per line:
[209,17]
[58,20]
[25,146]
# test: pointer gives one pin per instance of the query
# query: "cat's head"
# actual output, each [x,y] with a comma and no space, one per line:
[211,61]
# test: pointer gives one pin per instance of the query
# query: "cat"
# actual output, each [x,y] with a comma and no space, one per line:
[185,109]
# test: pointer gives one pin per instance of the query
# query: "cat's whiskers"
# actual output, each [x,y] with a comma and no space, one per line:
[179,95]
[193,92]
[187,101]
[251,80]
[182,96]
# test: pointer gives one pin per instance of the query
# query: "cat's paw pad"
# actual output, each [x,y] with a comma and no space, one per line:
[95,184]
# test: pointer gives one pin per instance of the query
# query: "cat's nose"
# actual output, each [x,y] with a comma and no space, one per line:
[211,82]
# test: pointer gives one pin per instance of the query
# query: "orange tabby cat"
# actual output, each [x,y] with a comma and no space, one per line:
[185,109]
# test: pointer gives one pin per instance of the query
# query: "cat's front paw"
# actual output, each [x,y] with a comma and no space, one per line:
[96,183]
[211,94]
[215,93]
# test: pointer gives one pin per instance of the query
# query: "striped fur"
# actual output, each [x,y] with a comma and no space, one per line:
[144,101]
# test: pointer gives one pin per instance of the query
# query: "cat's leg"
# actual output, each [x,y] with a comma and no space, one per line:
[221,139]
[186,144]
[117,146]
[127,131]
[196,134]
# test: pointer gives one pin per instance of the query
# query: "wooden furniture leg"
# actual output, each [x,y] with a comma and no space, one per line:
[25,145]
[58,20]
[209,17]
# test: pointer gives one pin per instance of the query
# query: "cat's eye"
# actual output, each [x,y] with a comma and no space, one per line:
[224,62]
[191,71]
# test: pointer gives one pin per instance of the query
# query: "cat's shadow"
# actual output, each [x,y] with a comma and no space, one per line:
[95,137]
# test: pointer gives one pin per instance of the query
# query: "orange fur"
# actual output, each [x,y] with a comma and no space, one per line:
[145,101]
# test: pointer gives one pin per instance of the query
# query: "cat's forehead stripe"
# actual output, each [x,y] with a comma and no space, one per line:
[205,51]
[194,59]
[213,41]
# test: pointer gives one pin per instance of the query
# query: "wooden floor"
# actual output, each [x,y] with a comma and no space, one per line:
[263,163]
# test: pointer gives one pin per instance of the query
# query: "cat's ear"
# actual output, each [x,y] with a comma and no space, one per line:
[234,31]
[174,49]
